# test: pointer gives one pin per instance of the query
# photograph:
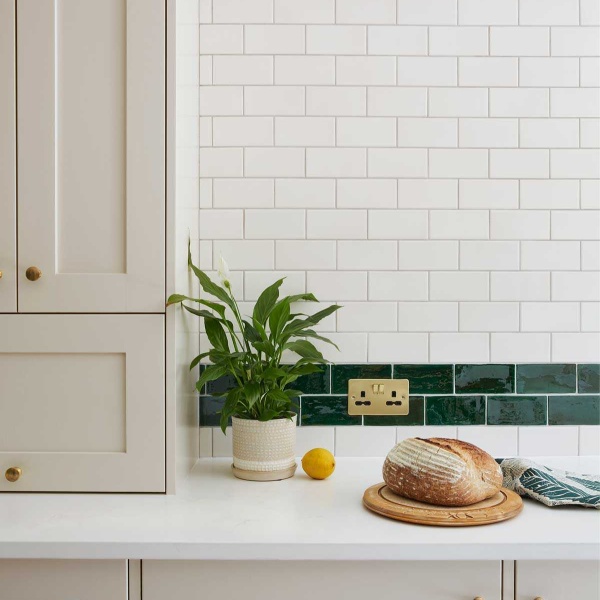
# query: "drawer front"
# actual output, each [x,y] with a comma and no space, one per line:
[82,403]
[321,580]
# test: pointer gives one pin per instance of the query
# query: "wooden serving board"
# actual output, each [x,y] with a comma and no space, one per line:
[504,505]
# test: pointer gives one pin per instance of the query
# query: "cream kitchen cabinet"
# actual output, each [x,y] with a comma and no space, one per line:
[557,580]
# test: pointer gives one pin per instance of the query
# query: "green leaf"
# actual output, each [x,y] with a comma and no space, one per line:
[313,334]
[207,284]
[279,317]
[211,373]
[216,334]
[198,358]
[301,297]
[273,373]
[252,393]
[250,333]
[305,349]
[279,397]
[199,313]
[265,303]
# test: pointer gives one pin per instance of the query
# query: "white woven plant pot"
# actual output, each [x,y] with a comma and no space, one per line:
[264,446]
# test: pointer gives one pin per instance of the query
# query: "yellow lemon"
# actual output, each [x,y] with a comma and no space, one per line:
[318,463]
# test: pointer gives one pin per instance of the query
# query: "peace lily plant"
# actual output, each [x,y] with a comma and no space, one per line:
[251,349]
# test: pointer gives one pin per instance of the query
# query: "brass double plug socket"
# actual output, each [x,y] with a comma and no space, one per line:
[378,397]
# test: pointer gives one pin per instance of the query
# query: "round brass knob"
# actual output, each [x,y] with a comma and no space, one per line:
[0,274]
[13,473]
[33,273]
[478,598]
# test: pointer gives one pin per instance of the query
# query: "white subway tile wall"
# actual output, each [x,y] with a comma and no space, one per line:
[432,165]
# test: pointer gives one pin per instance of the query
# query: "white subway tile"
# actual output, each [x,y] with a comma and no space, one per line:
[590,256]
[549,72]
[488,12]
[187,39]
[274,162]
[458,41]
[390,101]
[590,194]
[427,193]
[489,316]
[397,40]
[187,70]
[337,224]
[548,441]
[428,316]
[488,133]
[458,286]
[488,71]
[305,193]
[489,193]
[357,11]
[242,11]
[245,254]
[427,133]
[274,224]
[549,193]
[221,100]
[520,347]
[489,256]
[366,193]
[549,12]
[523,102]
[549,316]
[304,131]
[397,224]
[243,131]
[274,39]
[336,101]
[336,162]
[336,39]
[590,12]
[186,165]
[458,102]
[221,162]
[458,163]
[353,347]
[221,39]
[187,100]
[590,316]
[364,441]
[500,441]
[550,256]
[304,70]
[221,224]
[459,347]
[590,131]
[365,70]
[589,72]
[366,131]
[204,10]
[427,70]
[186,11]
[520,224]
[308,437]
[204,131]
[459,224]
[589,440]
[520,41]
[367,255]
[367,316]
[397,162]
[339,286]
[549,133]
[575,225]
[242,70]
[576,347]
[186,130]
[426,431]
[575,164]
[519,164]
[575,41]
[582,102]
[427,12]
[398,347]
[315,255]
[273,100]
[390,285]
[569,285]
[428,255]
[222,445]
[307,11]
[243,193]
[520,286]
[256,281]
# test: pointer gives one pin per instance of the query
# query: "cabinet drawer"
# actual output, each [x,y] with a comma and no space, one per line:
[82,402]
[321,580]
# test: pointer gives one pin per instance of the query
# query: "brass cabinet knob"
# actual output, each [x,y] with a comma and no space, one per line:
[13,473]
[0,274]
[33,273]
[478,598]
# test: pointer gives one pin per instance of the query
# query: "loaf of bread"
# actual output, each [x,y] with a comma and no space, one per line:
[441,471]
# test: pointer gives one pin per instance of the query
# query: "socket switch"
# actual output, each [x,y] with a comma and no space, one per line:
[378,397]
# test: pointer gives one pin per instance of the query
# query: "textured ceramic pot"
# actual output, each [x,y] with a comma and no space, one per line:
[264,450]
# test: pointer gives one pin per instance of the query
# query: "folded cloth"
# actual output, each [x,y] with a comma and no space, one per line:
[552,487]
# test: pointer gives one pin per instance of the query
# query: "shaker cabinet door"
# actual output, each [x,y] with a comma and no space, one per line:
[82,403]
[558,580]
[91,155]
[8,273]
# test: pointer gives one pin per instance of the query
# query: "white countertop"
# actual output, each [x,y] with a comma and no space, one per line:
[215,516]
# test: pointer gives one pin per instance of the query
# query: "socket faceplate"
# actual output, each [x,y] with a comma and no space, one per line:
[378,397]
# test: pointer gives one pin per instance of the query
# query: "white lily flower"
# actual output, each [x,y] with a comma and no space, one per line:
[224,274]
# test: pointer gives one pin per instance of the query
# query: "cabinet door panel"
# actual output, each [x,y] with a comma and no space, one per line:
[321,580]
[91,155]
[8,279]
[63,579]
[82,402]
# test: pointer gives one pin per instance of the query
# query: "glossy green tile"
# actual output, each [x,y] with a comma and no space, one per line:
[210,408]
[484,379]
[341,373]
[426,379]
[327,410]
[588,378]
[455,410]
[416,415]
[546,379]
[315,383]
[516,410]
[574,410]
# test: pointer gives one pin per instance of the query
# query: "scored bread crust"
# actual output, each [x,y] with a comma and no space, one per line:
[441,471]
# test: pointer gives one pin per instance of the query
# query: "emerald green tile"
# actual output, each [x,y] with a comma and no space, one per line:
[455,410]
[484,379]
[516,410]
[415,416]
[315,383]
[588,378]
[340,374]
[327,410]
[426,379]
[574,410]
[210,409]
[546,379]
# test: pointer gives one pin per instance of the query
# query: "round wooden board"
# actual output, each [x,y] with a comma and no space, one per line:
[504,505]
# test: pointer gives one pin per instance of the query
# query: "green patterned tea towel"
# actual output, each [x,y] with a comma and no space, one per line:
[553,487]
